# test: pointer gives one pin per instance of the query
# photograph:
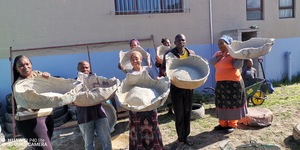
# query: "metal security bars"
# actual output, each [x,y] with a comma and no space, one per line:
[129,7]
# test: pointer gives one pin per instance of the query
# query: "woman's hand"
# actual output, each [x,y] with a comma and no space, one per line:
[46,75]
[219,55]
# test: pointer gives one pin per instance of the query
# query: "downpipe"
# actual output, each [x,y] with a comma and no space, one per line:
[289,65]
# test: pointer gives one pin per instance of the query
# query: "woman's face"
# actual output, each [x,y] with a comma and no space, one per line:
[24,67]
[135,61]
[134,44]
[167,43]
[222,46]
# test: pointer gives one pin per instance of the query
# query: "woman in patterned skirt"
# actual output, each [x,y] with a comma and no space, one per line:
[144,133]
[230,95]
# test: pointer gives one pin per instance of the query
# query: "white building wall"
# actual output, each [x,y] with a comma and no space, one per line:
[41,23]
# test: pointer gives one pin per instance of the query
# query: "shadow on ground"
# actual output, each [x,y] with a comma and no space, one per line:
[202,140]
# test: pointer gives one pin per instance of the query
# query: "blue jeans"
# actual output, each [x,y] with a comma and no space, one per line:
[101,127]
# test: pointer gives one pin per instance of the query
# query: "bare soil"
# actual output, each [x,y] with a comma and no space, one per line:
[286,115]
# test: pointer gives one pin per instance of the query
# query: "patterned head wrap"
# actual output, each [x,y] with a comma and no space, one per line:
[227,39]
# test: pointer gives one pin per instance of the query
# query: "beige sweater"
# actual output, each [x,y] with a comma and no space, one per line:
[27,113]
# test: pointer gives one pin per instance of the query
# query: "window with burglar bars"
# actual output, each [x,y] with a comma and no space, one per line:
[128,7]
[286,9]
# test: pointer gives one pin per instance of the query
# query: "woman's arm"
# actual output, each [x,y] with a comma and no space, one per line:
[122,68]
[215,58]
[238,63]
[255,72]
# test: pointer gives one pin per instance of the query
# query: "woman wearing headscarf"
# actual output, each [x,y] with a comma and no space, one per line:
[36,125]
[230,98]
[144,130]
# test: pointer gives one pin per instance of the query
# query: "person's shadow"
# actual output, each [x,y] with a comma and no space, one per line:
[120,128]
[165,118]
[202,140]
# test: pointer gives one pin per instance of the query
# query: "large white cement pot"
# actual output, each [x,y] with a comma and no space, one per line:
[125,58]
[40,92]
[252,48]
[98,89]
[139,92]
[198,111]
[188,73]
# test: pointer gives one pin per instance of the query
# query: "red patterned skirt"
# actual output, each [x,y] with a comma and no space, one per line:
[144,132]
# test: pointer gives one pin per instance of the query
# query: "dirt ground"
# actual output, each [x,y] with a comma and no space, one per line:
[285,117]
[205,138]
[202,133]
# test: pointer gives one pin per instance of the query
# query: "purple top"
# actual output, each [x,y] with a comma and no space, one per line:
[90,113]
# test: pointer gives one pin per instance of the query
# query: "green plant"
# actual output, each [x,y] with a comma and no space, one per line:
[12,148]
[202,97]
[285,81]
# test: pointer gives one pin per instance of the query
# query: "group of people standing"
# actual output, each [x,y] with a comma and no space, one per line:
[37,125]
[230,101]
[181,102]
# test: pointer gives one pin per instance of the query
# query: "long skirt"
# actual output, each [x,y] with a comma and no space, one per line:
[144,132]
[230,100]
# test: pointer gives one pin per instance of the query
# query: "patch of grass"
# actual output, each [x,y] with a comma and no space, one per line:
[207,122]
[202,97]
[282,102]
[284,95]
[285,81]
[12,147]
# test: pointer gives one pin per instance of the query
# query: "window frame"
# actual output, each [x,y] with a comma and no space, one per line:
[140,11]
[287,7]
[260,9]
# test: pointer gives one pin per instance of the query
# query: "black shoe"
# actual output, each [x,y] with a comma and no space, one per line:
[219,127]
[230,129]
[189,143]
[178,146]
